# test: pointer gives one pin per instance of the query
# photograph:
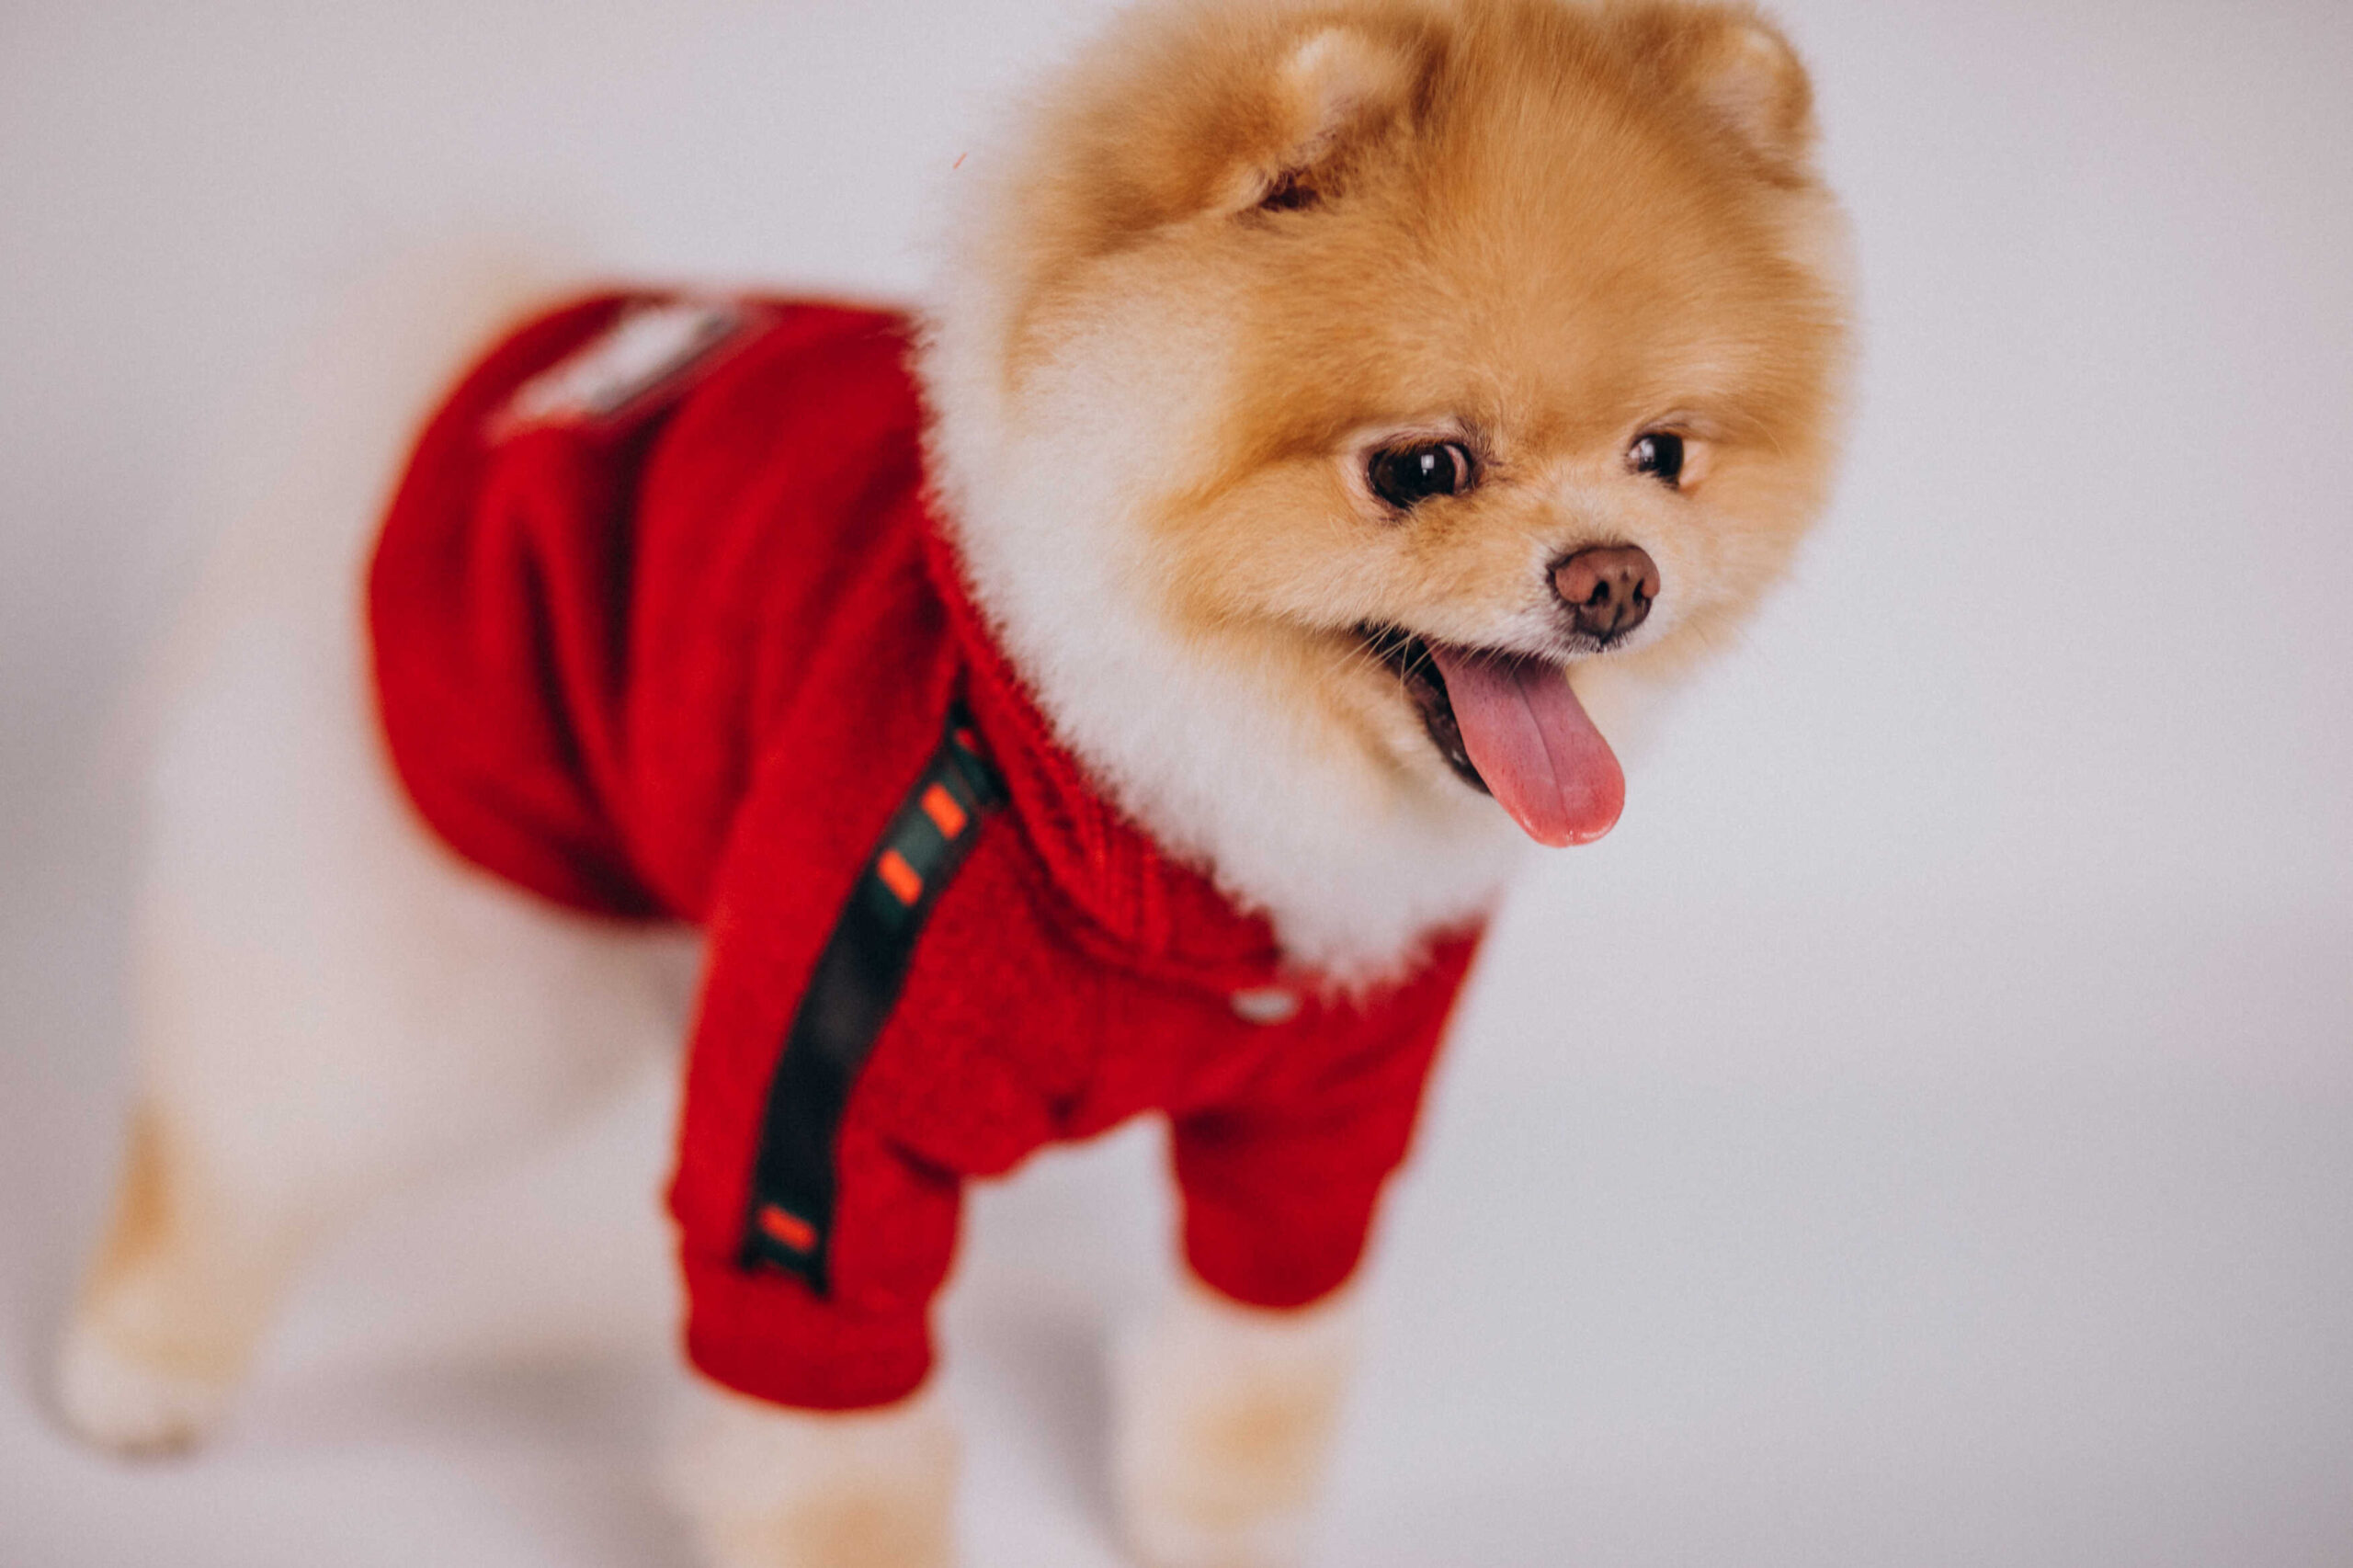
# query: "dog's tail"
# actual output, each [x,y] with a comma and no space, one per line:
[291,494]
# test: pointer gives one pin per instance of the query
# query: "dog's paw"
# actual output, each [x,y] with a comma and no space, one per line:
[1225,1420]
[1177,1536]
[115,1398]
[767,1487]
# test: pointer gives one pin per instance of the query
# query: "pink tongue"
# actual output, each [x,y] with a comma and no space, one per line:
[1532,743]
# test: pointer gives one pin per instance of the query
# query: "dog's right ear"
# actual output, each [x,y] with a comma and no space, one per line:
[1338,91]
[1216,124]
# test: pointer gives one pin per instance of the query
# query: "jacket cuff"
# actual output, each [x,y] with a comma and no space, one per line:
[1274,1259]
[771,1338]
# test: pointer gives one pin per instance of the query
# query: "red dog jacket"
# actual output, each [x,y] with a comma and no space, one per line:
[662,630]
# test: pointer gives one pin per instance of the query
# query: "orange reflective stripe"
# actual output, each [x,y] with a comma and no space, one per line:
[788,1228]
[899,877]
[944,813]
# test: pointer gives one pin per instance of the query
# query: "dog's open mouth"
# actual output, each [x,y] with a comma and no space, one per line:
[1510,725]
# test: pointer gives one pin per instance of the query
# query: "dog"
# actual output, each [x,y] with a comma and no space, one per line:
[1124,688]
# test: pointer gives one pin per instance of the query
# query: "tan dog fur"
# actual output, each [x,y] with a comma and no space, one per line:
[1541,228]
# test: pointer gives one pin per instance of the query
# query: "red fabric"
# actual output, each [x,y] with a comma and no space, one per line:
[684,662]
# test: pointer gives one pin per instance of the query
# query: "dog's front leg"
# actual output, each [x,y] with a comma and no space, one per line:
[1225,1420]
[770,1487]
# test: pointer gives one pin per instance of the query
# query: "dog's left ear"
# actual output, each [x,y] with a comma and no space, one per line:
[1735,66]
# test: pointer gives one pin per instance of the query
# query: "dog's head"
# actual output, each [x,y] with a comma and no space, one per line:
[1402,358]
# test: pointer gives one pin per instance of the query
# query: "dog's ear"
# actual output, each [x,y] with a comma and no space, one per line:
[1198,122]
[1335,92]
[1734,66]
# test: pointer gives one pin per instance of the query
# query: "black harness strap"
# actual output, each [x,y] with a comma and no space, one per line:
[856,984]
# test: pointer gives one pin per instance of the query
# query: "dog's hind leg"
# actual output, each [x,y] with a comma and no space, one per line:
[174,1302]
[327,1002]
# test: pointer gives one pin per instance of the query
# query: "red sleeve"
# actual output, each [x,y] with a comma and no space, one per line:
[796,850]
[1281,1183]
[869,1343]
[865,1339]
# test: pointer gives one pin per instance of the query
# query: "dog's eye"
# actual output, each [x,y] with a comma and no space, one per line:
[1660,455]
[1404,475]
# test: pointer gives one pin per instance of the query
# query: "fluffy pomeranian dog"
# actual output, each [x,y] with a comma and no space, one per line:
[1126,689]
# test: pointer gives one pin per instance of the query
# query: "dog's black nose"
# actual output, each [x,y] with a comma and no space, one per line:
[1608,588]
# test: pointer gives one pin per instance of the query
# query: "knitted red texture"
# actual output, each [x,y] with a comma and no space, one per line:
[682,660]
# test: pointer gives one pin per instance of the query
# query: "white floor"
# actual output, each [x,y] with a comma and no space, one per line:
[1863,1252]
[1922,1135]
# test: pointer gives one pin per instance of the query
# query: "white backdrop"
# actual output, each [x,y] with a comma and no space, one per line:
[1922,1134]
